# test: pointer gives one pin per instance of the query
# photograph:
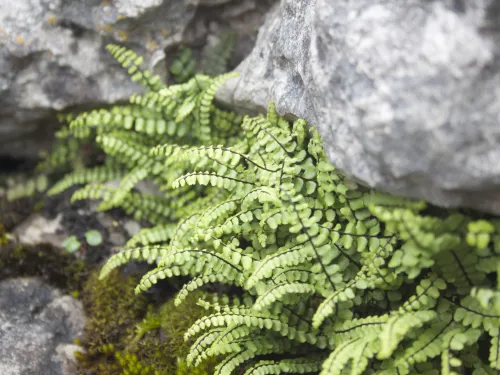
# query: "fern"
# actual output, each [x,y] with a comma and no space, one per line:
[337,279]
[183,66]
[215,56]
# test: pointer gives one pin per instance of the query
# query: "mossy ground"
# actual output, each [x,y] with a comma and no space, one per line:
[144,338]
[125,333]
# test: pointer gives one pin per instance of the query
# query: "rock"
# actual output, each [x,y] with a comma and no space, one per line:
[213,2]
[65,357]
[406,94]
[52,56]
[38,228]
[132,227]
[37,327]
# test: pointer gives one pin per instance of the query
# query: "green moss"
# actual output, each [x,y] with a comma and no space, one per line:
[53,265]
[164,328]
[12,213]
[4,236]
[128,334]
[130,364]
[112,311]
[184,369]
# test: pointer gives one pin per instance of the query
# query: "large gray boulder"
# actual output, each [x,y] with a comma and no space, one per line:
[37,328]
[406,94]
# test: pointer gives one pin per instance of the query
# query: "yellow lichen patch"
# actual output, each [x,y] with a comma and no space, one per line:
[164,32]
[105,28]
[151,45]
[20,39]
[51,19]
[122,35]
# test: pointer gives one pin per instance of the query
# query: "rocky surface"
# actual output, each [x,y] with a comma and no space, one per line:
[53,57]
[406,94]
[37,328]
[40,229]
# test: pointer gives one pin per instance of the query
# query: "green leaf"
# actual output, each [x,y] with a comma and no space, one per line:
[93,237]
[71,244]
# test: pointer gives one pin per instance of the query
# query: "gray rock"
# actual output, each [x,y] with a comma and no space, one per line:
[132,227]
[52,56]
[406,94]
[40,229]
[37,327]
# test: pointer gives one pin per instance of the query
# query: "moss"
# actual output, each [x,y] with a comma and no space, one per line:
[4,236]
[184,369]
[112,311]
[129,334]
[12,213]
[164,328]
[51,264]
[130,364]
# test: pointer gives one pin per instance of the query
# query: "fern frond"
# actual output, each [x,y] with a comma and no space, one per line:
[215,57]
[340,357]
[494,356]
[146,207]
[205,108]
[397,328]
[148,236]
[230,363]
[197,352]
[331,274]
[27,188]
[488,299]
[295,366]
[131,61]
[82,176]
[428,345]
[229,182]
[287,257]
[126,184]
[277,292]
[93,191]
[183,66]
[148,253]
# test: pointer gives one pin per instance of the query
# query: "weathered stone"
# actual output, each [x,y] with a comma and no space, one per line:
[40,229]
[406,94]
[52,57]
[37,327]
